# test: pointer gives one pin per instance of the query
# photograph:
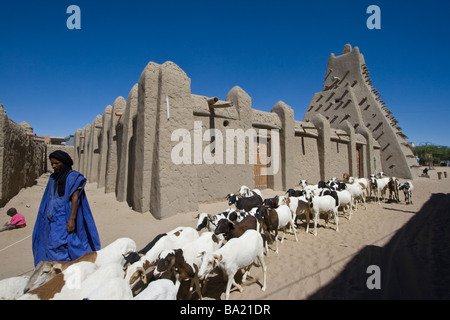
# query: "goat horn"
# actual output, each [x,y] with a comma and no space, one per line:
[196,269]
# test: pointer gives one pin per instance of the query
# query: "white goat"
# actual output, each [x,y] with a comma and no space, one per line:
[346,201]
[114,252]
[162,289]
[247,192]
[379,186]
[236,254]
[363,181]
[317,205]
[115,288]
[101,275]
[174,239]
[12,288]
[358,193]
[303,184]
[298,205]
[63,282]
[207,242]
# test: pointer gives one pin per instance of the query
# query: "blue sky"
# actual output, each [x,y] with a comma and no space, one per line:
[58,79]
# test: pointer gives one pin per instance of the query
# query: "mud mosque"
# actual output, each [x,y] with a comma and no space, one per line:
[129,149]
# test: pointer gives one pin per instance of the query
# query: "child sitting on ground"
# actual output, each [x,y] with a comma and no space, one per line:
[17,220]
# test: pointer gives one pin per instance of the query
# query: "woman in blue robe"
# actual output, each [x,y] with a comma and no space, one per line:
[65,228]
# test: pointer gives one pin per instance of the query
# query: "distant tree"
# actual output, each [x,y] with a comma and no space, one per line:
[430,154]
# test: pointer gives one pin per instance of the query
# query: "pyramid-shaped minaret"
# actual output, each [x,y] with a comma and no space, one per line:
[348,94]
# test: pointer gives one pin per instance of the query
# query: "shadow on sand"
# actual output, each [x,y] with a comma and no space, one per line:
[415,264]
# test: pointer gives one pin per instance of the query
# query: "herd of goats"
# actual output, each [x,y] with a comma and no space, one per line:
[179,264]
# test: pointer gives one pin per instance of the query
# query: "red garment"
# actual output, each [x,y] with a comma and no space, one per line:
[17,220]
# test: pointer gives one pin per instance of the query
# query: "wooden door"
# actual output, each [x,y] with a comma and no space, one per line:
[358,162]
[262,147]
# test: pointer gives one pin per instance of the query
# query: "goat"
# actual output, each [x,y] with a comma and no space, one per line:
[345,201]
[314,189]
[132,257]
[363,182]
[92,282]
[295,193]
[68,279]
[358,193]
[114,252]
[236,254]
[188,258]
[175,238]
[393,185]
[238,216]
[235,230]
[176,235]
[338,186]
[208,221]
[344,195]
[407,189]
[379,187]
[161,289]
[317,205]
[115,288]
[297,205]
[245,204]
[246,192]
[173,262]
[271,202]
[303,183]
[274,219]
[345,176]
[12,288]
[330,192]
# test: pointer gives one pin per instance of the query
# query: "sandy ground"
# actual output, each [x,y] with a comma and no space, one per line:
[409,243]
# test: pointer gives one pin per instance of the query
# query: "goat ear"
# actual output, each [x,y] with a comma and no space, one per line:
[215,239]
[57,267]
[146,264]
[128,252]
[196,269]
[217,258]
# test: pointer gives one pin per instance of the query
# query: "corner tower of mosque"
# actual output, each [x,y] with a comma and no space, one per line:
[348,94]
